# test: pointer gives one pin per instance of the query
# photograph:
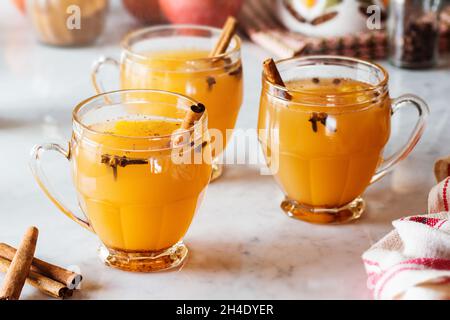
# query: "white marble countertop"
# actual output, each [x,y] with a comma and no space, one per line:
[242,245]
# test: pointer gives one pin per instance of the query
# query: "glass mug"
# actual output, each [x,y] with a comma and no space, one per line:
[133,195]
[324,137]
[175,58]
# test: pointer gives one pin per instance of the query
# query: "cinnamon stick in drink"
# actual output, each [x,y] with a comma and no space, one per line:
[20,266]
[70,279]
[46,285]
[227,34]
[274,77]
[193,115]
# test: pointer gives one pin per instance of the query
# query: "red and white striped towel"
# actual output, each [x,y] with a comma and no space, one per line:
[413,261]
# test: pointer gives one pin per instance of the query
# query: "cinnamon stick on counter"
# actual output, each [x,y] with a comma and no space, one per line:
[46,285]
[20,266]
[442,168]
[227,34]
[70,279]
[273,75]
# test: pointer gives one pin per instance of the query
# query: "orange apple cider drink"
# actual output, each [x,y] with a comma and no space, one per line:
[137,200]
[217,85]
[190,60]
[140,162]
[324,122]
[326,159]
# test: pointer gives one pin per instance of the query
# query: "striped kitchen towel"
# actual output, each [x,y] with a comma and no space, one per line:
[413,261]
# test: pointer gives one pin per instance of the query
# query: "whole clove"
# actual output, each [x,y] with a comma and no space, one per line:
[318,118]
[211,81]
[115,161]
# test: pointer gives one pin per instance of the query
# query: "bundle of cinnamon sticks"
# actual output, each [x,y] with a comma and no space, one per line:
[21,266]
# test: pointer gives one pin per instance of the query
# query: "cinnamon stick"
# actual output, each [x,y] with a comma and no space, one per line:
[70,279]
[228,31]
[442,168]
[192,116]
[41,282]
[273,75]
[20,266]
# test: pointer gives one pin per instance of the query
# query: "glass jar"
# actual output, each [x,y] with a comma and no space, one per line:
[414,33]
[67,22]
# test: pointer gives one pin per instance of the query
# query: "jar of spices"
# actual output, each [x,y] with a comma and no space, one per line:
[413,28]
[67,22]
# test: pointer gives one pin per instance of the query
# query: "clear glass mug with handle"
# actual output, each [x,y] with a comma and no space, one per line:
[324,137]
[176,58]
[133,193]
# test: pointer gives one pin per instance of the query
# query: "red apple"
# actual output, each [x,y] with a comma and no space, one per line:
[204,12]
[20,4]
[146,11]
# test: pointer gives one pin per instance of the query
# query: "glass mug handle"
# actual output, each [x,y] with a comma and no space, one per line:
[41,178]
[422,108]
[96,70]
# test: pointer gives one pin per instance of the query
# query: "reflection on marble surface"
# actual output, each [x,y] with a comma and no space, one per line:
[242,245]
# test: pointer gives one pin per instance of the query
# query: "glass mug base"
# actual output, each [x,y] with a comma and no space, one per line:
[150,261]
[217,170]
[346,213]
